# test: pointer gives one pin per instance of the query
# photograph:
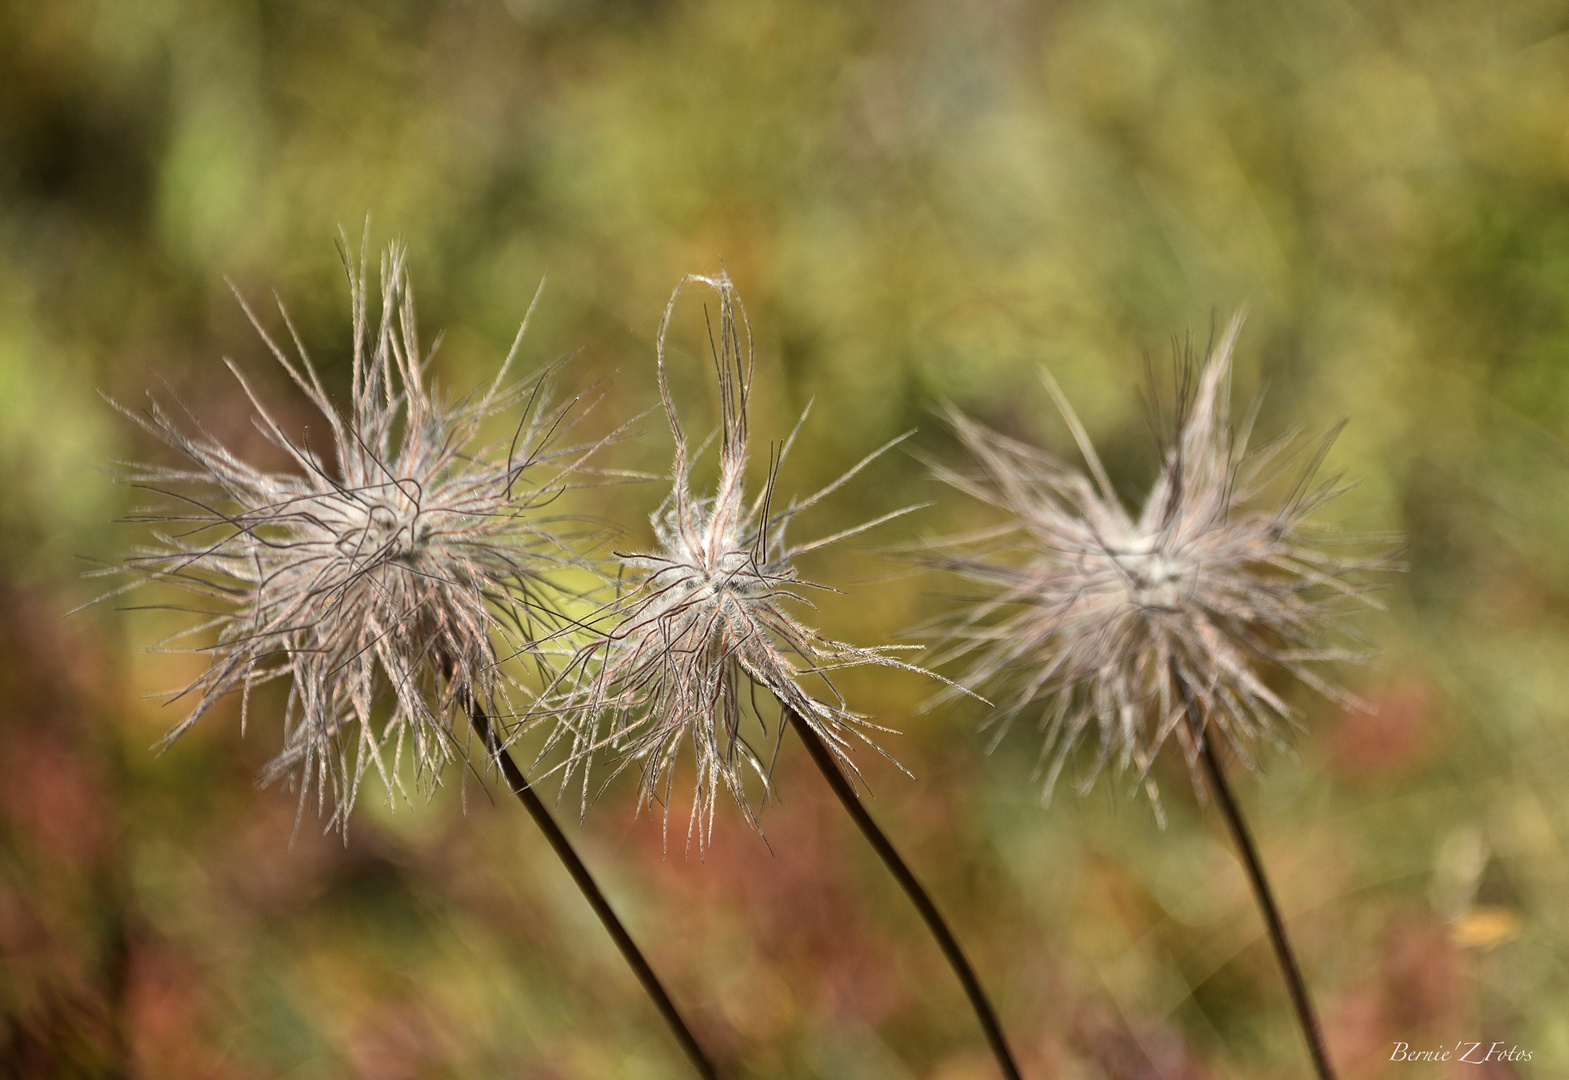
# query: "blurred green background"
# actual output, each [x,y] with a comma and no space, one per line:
[919,202]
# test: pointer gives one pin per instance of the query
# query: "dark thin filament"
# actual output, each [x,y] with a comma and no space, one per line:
[585,882]
[1296,986]
[915,891]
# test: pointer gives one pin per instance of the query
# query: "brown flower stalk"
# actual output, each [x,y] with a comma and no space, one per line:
[1128,631]
[707,624]
[385,581]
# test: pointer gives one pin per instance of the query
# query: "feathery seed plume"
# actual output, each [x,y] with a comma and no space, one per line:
[705,623]
[386,580]
[1108,623]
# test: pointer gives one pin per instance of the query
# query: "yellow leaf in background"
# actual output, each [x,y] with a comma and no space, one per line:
[1486,928]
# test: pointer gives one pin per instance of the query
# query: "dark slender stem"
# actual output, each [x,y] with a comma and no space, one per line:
[914,890]
[1296,986]
[596,899]
[116,980]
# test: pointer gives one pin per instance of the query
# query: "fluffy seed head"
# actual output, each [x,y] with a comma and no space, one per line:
[1109,624]
[704,634]
[383,575]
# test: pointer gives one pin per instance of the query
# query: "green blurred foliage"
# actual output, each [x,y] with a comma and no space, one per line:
[920,202]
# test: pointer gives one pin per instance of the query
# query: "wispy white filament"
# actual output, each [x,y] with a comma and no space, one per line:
[1103,623]
[704,643]
[385,574]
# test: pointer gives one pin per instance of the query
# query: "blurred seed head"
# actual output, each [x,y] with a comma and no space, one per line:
[704,634]
[1107,625]
[386,575]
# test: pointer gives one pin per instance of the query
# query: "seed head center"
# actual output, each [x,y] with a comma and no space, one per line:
[1153,577]
[383,526]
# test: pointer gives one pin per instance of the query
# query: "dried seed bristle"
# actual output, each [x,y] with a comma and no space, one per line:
[383,580]
[1106,622]
[705,622]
